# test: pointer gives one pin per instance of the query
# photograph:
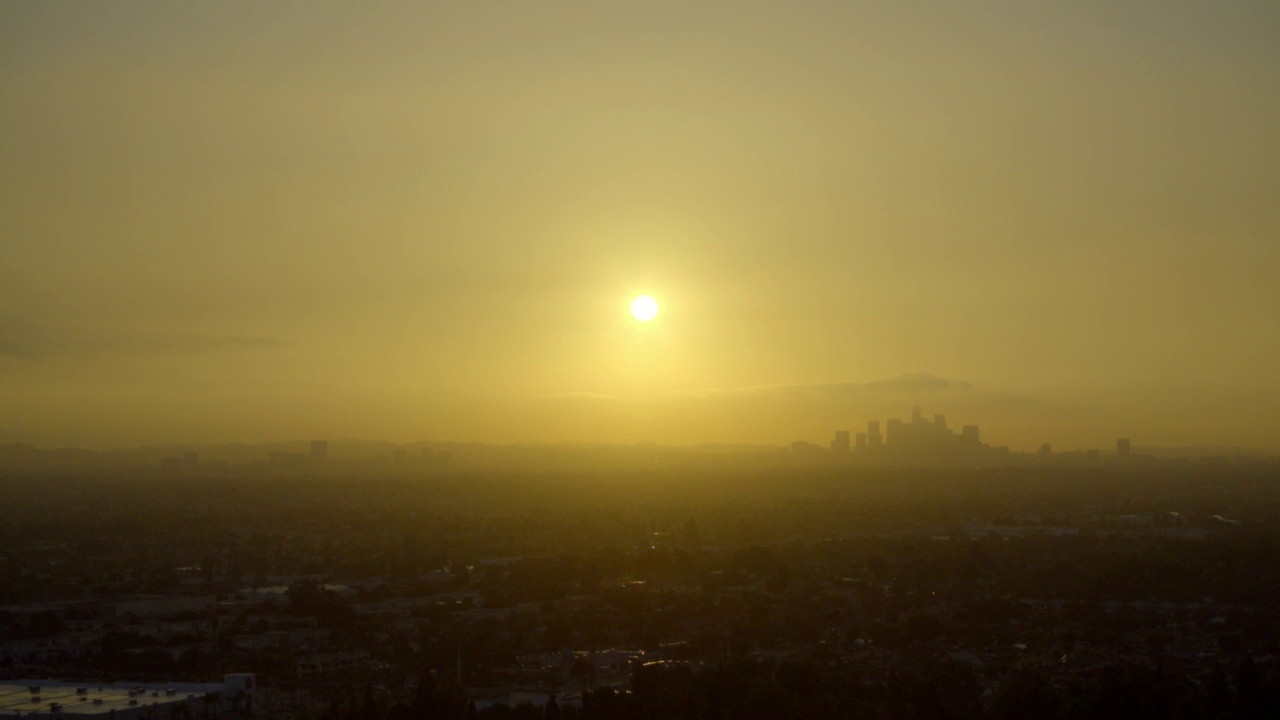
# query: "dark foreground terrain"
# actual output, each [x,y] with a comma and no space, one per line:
[1144,592]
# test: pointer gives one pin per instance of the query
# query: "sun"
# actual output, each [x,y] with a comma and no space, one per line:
[644,308]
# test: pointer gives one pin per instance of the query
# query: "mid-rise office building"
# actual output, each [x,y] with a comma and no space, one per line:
[840,444]
[873,434]
[892,431]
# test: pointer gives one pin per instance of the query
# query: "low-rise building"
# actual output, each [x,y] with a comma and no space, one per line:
[47,699]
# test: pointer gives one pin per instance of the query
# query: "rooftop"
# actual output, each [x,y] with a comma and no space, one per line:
[81,699]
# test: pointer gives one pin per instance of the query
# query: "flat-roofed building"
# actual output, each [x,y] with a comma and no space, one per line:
[840,444]
[330,664]
[48,699]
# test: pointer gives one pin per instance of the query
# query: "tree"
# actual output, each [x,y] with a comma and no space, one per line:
[1025,695]
[551,711]
[423,706]
[369,708]
[1249,688]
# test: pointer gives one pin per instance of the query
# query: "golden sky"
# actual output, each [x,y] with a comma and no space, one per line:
[426,220]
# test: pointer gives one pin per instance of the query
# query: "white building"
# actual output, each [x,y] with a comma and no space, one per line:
[51,700]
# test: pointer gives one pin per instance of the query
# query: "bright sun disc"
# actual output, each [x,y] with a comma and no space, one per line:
[644,308]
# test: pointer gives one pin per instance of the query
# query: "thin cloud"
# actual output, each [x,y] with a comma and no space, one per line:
[27,341]
[583,396]
[909,384]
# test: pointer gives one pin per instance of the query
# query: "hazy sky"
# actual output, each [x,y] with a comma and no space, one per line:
[425,220]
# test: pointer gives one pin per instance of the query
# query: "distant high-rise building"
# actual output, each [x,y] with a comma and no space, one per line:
[1046,449]
[840,444]
[800,447]
[171,465]
[940,421]
[860,441]
[1122,447]
[873,434]
[970,434]
[893,429]
[319,450]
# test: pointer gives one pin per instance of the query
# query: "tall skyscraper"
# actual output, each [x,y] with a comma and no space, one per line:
[860,441]
[1122,447]
[970,434]
[873,434]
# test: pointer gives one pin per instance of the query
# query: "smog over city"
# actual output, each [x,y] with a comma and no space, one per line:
[639,360]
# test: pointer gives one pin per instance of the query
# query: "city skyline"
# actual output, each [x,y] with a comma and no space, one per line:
[639,359]
[917,441]
[874,433]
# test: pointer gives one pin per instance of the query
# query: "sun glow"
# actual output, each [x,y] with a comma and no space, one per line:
[644,308]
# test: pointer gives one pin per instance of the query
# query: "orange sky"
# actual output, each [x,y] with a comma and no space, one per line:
[251,221]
